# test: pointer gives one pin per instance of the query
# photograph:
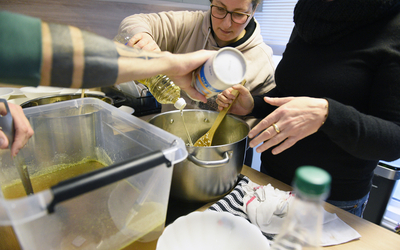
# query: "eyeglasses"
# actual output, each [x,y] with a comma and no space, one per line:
[236,17]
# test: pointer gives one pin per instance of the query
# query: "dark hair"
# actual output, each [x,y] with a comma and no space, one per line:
[254,2]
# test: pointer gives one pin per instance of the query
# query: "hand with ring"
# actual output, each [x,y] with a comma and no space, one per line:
[294,119]
[276,128]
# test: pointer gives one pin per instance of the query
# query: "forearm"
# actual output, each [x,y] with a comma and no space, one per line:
[59,55]
[79,59]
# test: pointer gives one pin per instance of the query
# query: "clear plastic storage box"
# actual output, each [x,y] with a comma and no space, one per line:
[111,207]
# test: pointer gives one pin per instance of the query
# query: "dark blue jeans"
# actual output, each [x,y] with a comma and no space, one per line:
[356,207]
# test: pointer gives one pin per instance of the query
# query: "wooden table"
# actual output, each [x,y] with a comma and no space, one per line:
[372,236]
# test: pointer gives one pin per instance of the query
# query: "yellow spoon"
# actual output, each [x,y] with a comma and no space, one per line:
[206,139]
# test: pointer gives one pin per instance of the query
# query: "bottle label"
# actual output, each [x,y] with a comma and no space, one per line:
[225,69]
[204,86]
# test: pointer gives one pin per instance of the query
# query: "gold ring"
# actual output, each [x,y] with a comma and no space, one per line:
[276,128]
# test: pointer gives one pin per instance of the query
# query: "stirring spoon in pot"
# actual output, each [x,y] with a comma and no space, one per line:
[206,139]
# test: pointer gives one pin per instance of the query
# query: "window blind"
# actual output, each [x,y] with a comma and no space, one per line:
[276,22]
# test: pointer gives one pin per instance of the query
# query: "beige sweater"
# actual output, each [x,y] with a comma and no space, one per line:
[185,31]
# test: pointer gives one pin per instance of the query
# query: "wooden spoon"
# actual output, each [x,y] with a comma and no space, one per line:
[206,139]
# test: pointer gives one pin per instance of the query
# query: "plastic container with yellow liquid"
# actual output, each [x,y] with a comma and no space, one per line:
[105,207]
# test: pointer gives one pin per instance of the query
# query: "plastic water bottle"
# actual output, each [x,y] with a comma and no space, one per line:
[303,224]
[161,87]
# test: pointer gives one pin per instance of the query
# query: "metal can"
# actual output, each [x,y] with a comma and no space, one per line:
[225,69]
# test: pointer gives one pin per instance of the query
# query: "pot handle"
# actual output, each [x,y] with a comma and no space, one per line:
[212,164]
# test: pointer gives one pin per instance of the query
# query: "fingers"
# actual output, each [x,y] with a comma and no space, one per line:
[184,64]
[225,98]
[262,132]
[143,41]
[134,39]
[244,103]
[152,46]
[272,136]
[222,101]
[196,59]
[277,101]
[264,124]
[194,94]
[22,127]
[3,137]
[289,142]
[3,140]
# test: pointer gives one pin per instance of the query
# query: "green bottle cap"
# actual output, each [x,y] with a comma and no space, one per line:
[312,180]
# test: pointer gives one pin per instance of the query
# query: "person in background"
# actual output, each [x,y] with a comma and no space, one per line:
[336,104]
[228,23]
[34,53]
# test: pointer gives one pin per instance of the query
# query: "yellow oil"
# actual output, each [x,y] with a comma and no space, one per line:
[8,239]
[41,181]
[203,141]
[145,224]
[50,177]
[163,89]
[187,131]
[148,224]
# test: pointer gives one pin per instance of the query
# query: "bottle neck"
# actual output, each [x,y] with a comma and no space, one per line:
[318,198]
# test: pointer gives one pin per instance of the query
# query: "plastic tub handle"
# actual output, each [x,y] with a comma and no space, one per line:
[88,182]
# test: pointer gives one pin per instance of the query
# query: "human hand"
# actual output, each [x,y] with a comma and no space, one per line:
[181,67]
[22,128]
[244,103]
[143,41]
[294,119]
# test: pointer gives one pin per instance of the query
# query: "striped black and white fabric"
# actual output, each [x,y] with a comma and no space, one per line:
[233,202]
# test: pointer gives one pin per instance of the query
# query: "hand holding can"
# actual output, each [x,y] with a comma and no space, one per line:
[225,69]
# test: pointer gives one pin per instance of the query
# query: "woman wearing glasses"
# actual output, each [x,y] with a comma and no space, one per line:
[227,23]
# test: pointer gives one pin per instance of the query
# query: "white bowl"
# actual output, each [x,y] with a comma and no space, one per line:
[5,93]
[212,230]
[35,92]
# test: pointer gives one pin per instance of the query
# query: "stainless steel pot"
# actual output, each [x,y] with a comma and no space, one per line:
[208,173]
[63,97]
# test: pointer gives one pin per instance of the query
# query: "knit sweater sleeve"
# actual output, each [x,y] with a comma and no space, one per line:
[166,28]
[374,134]
[261,108]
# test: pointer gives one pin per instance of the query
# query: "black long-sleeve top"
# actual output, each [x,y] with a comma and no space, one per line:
[359,75]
